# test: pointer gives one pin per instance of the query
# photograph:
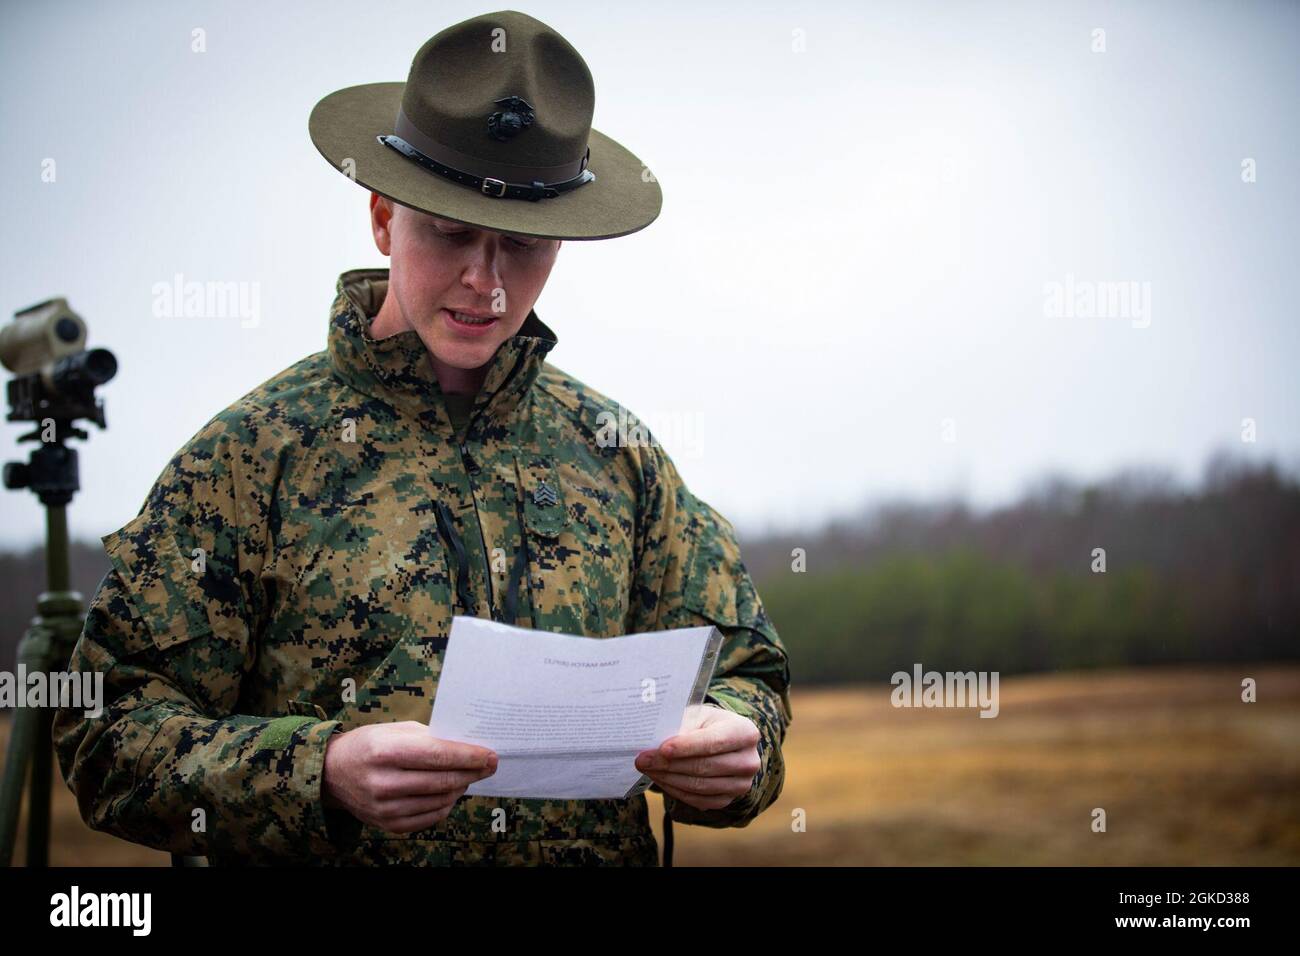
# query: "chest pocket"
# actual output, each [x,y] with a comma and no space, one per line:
[366,603]
[578,534]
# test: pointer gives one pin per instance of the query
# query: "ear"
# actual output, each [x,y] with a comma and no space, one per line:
[382,214]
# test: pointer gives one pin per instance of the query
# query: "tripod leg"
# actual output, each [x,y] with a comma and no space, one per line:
[38,789]
[17,756]
[30,745]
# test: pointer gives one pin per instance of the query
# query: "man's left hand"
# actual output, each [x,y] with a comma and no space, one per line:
[709,765]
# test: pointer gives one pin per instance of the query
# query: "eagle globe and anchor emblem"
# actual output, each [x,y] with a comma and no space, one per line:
[513,118]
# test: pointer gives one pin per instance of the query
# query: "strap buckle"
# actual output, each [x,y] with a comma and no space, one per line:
[499,183]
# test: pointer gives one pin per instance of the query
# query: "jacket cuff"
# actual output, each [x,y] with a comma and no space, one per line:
[754,703]
[331,829]
[340,829]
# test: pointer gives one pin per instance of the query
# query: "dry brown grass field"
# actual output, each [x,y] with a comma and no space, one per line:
[1188,776]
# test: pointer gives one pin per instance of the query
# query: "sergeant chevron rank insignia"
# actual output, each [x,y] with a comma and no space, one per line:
[544,495]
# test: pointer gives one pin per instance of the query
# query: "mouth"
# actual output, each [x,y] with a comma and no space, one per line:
[469,324]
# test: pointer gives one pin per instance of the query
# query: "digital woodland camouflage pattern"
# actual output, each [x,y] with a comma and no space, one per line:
[330,563]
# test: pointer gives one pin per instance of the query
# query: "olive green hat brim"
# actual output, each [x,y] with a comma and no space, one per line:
[344,126]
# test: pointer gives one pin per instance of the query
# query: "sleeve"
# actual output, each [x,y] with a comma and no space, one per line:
[688,574]
[169,762]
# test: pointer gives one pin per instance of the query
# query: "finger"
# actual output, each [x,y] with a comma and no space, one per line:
[414,806]
[424,752]
[714,739]
[734,764]
[418,822]
[731,787]
[389,784]
[696,800]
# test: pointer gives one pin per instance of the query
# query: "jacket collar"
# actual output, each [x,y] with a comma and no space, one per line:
[397,369]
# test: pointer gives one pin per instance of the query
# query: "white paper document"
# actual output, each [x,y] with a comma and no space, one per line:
[567,715]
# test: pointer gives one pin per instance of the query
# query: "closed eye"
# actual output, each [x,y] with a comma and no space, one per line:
[458,233]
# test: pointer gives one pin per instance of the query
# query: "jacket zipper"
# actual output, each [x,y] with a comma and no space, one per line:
[465,461]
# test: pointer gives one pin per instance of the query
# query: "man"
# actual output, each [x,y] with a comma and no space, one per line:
[273,628]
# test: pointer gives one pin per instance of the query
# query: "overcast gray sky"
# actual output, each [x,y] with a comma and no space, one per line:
[869,211]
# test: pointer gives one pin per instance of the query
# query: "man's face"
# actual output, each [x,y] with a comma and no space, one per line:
[441,270]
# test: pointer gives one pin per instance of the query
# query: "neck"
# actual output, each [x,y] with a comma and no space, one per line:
[458,381]
[453,381]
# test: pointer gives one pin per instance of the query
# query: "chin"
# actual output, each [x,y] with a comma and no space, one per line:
[468,357]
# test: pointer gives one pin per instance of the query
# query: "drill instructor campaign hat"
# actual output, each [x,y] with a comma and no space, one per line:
[492,128]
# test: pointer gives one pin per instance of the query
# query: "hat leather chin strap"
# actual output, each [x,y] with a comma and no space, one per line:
[437,158]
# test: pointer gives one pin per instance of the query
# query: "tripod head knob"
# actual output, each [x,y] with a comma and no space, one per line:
[17,474]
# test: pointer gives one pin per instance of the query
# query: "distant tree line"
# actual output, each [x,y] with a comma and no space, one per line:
[1209,574]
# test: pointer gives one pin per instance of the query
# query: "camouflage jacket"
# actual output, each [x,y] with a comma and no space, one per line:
[294,571]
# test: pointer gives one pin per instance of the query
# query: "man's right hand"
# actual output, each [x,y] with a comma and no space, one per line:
[398,777]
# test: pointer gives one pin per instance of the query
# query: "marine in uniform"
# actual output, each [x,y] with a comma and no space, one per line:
[273,626]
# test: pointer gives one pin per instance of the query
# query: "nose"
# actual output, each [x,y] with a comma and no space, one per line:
[481,273]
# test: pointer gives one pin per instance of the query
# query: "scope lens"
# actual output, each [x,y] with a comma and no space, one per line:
[100,365]
[85,369]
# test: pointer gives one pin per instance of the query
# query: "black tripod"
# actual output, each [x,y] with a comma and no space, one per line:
[54,388]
